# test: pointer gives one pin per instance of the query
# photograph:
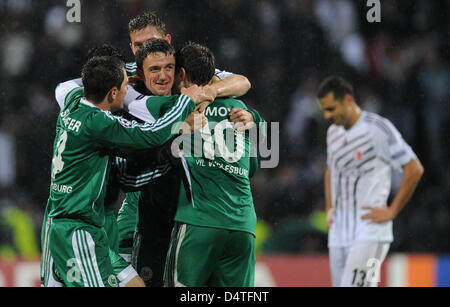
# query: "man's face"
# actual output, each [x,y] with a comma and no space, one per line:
[139,37]
[159,73]
[334,110]
[117,103]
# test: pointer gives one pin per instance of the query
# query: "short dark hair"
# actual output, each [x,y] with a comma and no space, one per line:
[99,75]
[198,61]
[144,20]
[152,46]
[105,50]
[336,85]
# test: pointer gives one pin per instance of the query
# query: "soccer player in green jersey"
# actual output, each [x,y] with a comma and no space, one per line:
[141,29]
[120,265]
[213,238]
[75,244]
[112,186]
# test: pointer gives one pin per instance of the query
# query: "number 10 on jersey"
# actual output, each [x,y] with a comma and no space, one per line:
[217,142]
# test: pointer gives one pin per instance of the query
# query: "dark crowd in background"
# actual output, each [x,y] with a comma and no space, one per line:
[399,68]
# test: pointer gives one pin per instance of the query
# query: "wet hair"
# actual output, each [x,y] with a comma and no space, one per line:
[198,61]
[105,50]
[99,75]
[152,46]
[336,85]
[144,20]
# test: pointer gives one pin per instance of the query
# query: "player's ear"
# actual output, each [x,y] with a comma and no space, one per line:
[181,75]
[179,78]
[112,94]
[168,38]
[348,98]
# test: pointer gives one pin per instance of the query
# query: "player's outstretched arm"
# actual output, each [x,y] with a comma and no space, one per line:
[233,85]
[412,172]
[116,132]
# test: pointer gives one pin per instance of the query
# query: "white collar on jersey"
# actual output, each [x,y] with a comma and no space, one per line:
[84,101]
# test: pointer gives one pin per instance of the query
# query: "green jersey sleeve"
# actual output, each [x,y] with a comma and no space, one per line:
[63,89]
[114,131]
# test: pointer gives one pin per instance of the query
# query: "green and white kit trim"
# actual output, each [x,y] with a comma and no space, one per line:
[84,250]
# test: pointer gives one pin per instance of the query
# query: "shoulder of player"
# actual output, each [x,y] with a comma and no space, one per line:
[75,94]
[68,93]
[333,131]
[379,124]
[97,118]
[229,102]
[80,115]
[72,99]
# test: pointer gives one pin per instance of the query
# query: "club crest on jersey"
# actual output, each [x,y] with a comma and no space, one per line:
[112,281]
[358,155]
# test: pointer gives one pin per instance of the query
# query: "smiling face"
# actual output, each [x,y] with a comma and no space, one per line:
[159,73]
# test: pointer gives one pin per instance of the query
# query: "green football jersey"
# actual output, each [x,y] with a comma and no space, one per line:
[85,136]
[220,177]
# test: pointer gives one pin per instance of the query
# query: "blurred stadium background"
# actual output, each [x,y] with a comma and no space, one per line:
[400,68]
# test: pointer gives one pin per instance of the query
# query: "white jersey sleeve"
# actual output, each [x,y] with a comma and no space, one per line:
[64,88]
[135,103]
[132,95]
[222,74]
[391,146]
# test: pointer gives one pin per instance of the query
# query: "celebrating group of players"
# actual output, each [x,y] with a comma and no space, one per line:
[188,217]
